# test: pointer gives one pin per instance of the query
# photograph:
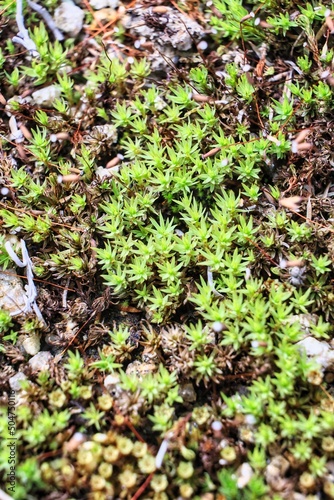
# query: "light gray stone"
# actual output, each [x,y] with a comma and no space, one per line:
[102,4]
[321,352]
[12,294]
[31,343]
[69,18]
[46,96]
[40,362]
[14,381]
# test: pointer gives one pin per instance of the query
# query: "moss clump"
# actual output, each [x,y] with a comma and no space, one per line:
[177,211]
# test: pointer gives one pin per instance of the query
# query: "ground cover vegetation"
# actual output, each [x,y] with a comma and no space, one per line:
[179,222]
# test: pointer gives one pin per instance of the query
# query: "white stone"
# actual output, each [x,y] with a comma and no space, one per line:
[69,18]
[321,352]
[31,344]
[40,362]
[12,295]
[46,96]
[102,4]
[111,381]
[180,33]
[275,472]
[14,381]
[244,475]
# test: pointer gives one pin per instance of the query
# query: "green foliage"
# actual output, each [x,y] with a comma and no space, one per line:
[53,57]
[244,89]
[106,363]
[74,365]
[5,321]
[93,416]
[230,22]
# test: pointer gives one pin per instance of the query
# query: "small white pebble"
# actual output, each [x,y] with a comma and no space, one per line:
[111,381]
[224,162]
[4,191]
[53,138]
[244,473]
[15,381]
[327,12]
[257,21]
[137,44]
[255,344]
[41,361]
[130,60]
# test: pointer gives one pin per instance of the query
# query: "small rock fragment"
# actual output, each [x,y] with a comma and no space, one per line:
[244,474]
[15,381]
[216,426]
[111,380]
[275,472]
[321,352]
[169,32]
[12,294]
[69,18]
[40,362]
[140,368]
[102,4]
[31,344]
[46,96]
